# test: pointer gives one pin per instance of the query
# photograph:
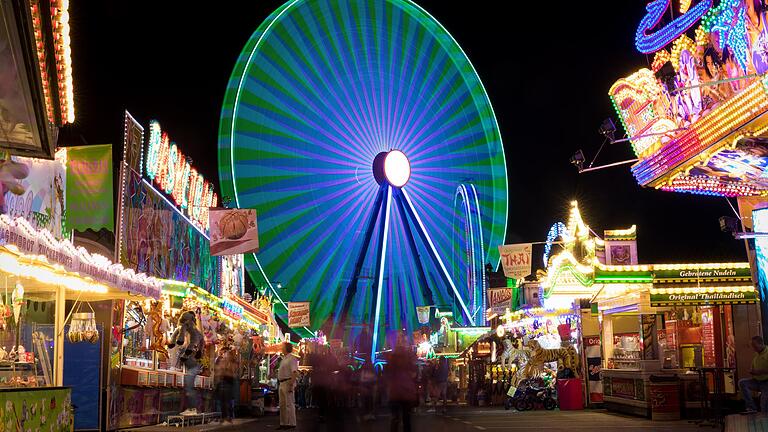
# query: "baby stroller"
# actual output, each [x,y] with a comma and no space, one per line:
[531,393]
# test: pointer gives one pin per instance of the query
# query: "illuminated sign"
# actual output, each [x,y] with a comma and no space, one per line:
[663,299]
[726,273]
[170,170]
[231,309]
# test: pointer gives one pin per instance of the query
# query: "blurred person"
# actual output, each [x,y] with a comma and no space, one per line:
[363,345]
[323,368]
[226,366]
[401,373]
[299,391]
[440,379]
[308,390]
[367,391]
[287,373]
[427,383]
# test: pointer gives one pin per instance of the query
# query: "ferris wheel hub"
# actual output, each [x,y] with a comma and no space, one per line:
[392,167]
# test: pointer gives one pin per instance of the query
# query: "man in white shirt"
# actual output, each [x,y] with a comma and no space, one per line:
[286,377]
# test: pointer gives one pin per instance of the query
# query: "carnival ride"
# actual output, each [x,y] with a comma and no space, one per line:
[352,127]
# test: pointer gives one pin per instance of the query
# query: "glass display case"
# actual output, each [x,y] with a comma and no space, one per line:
[626,351]
[26,338]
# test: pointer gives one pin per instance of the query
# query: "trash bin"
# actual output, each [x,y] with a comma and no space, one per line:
[665,398]
[570,394]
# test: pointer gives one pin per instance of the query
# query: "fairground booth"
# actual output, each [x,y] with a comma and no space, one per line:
[164,229]
[679,324]
[633,324]
[49,335]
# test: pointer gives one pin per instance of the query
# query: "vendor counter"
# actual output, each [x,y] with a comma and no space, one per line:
[146,397]
[160,378]
[36,409]
[629,391]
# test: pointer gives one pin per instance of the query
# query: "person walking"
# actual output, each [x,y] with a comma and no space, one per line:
[226,366]
[401,371]
[286,377]
[759,380]
[440,379]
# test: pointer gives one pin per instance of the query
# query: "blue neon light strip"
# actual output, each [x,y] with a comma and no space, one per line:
[650,43]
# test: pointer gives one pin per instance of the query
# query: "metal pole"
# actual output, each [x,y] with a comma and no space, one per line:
[609,165]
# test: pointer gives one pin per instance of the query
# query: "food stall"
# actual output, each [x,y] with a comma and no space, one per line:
[151,375]
[680,325]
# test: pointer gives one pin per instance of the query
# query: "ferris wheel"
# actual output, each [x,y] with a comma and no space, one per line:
[363,137]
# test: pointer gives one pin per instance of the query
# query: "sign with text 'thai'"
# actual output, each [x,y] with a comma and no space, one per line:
[516,260]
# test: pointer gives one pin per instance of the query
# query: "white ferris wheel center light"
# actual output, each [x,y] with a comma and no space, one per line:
[397,168]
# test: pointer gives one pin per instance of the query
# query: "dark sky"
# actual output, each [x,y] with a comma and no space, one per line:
[547,71]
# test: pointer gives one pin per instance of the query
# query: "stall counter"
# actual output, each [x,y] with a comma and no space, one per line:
[628,390]
[36,408]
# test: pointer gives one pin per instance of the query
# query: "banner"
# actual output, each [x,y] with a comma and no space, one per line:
[39,196]
[156,239]
[133,142]
[233,231]
[516,260]
[21,234]
[39,408]
[593,353]
[422,312]
[89,188]
[298,314]
[702,274]
[499,300]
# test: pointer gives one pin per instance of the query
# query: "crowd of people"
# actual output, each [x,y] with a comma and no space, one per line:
[340,390]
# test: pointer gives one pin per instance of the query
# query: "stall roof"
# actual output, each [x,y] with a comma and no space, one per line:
[34,253]
[37,275]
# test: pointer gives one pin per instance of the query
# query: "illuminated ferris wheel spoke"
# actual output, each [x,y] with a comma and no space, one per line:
[422,230]
[382,255]
[349,118]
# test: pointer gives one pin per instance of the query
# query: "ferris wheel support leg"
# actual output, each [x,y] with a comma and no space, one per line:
[412,244]
[351,290]
[421,229]
[382,256]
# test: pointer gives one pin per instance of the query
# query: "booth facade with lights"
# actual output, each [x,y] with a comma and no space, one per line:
[163,230]
[674,320]
[631,315]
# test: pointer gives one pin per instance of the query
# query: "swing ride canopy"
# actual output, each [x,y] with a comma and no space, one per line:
[363,137]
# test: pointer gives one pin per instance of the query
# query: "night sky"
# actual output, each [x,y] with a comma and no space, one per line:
[546,70]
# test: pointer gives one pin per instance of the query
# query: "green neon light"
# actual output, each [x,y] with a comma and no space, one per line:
[620,279]
[471,330]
